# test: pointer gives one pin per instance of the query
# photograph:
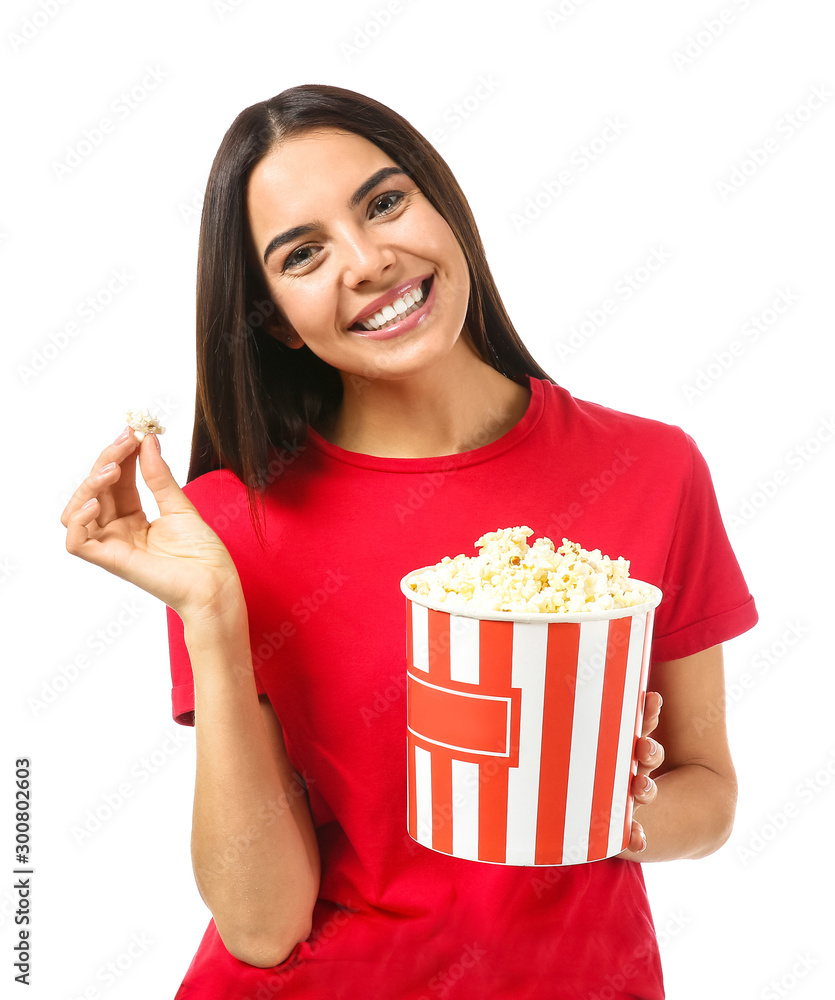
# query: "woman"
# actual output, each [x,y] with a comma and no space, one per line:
[338,444]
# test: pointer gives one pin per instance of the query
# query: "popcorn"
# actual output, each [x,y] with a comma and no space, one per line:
[143,423]
[509,575]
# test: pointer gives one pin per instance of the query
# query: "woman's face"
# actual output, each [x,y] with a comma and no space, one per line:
[343,243]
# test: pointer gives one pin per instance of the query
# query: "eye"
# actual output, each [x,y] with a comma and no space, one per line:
[295,261]
[394,197]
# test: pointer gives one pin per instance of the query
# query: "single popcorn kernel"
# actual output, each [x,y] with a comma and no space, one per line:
[143,423]
[508,575]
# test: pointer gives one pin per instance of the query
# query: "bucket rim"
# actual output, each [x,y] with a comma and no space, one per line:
[535,617]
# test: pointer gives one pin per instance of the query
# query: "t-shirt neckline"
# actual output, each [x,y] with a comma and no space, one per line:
[520,430]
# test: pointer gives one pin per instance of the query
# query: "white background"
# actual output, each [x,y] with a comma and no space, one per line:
[533,90]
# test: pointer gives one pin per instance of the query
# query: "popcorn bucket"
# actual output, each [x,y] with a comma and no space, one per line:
[521,730]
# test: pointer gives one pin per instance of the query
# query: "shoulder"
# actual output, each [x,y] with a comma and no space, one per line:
[600,429]
[209,487]
[220,498]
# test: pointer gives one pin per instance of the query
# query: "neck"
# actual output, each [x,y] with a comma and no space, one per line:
[428,414]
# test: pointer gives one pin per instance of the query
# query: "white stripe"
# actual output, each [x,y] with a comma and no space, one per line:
[530,643]
[465,809]
[588,697]
[420,636]
[463,649]
[423,795]
[626,741]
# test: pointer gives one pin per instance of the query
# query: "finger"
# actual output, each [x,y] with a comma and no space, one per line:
[637,838]
[652,711]
[114,554]
[94,483]
[644,789]
[80,541]
[649,753]
[123,446]
[156,473]
[123,497]
[97,485]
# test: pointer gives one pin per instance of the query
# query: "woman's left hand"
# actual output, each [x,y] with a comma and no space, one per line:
[650,755]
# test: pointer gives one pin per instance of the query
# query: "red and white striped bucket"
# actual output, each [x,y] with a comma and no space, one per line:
[521,730]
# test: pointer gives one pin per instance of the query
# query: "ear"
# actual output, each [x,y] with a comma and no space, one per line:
[289,339]
[281,331]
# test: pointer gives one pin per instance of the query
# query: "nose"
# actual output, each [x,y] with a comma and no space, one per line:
[366,258]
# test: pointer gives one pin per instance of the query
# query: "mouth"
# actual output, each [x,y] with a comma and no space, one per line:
[390,316]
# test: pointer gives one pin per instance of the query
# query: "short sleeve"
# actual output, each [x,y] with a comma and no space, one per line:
[706,599]
[182,679]
[208,493]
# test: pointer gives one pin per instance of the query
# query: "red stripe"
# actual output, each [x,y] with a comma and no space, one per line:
[611,710]
[557,721]
[438,655]
[410,752]
[495,674]
[442,800]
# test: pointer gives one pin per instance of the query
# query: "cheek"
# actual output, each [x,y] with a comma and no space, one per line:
[305,306]
[457,262]
[436,235]
[459,278]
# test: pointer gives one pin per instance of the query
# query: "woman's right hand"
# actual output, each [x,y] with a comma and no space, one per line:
[177,557]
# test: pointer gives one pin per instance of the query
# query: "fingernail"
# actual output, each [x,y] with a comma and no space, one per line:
[643,843]
[106,468]
[123,436]
[156,442]
[647,783]
[89,503]
[653,746]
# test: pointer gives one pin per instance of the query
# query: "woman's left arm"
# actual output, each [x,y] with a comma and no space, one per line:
[688,809]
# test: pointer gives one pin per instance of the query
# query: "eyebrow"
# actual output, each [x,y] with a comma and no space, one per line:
[310,227]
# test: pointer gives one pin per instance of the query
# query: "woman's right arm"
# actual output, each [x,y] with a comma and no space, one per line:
[254,850]
[253,845]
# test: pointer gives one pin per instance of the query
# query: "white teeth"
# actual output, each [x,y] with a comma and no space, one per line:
[398,309]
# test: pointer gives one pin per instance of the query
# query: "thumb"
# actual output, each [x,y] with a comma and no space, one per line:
[156,473]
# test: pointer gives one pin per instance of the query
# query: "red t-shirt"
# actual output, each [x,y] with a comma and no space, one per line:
[396,920]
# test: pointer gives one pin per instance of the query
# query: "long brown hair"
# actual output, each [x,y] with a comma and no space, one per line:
[254,394]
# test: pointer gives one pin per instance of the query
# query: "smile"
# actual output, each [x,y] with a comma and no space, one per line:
[402,315]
